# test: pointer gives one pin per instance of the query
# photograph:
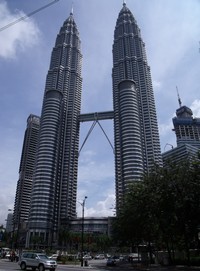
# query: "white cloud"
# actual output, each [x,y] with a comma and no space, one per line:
[86,156]
[195,107]
[156,85]
[167,137]
[105,207]
[168,23]
[96,181]
[7,195]
[165,128]
[9,164]
[96,170]
[18,37]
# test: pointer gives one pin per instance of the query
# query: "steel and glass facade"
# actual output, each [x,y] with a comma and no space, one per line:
[53,200]
[187,128]
[187,131]
[26,169]
[137,144]
[136,138]
[183,152]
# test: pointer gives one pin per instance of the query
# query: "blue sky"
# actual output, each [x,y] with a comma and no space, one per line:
[171,32]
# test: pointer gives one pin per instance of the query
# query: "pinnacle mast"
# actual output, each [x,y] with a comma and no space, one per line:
[179,99]
[72,9]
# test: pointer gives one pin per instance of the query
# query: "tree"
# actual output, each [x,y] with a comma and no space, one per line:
[163,209]
[135,224]
[103,242]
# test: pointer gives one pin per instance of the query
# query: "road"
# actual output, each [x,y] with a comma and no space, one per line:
[99,265]
[94,265]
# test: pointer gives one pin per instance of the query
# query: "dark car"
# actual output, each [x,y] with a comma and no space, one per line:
[111,262]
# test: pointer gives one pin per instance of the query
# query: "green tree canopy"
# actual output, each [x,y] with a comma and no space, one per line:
[163,209]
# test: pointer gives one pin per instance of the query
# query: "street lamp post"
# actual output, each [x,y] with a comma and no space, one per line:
[82,231]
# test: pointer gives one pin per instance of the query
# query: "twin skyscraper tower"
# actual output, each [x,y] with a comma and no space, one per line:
[50,186]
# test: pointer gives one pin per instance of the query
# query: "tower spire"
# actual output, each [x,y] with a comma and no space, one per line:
[179,99]
[124,2]
[72,9]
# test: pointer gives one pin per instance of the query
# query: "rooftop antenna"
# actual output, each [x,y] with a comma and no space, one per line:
[179,99]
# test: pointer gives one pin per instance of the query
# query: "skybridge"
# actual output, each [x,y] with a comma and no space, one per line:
[96,116]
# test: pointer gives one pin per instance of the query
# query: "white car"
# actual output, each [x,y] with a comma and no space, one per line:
[87,257]
[54,257]
[7,256]
[35,261]
[100,256]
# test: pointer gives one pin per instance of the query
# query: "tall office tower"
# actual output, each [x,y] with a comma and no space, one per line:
[9,223]
[26,169]
[53,199]
[137,144]
[187,128]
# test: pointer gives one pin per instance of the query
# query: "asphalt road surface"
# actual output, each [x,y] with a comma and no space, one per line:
[94,265]
[98,265]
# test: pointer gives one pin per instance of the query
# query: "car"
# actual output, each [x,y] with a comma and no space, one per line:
[99,256]
[111,262]
[38,261]
[116,258]
[4,251]
[134,257]
[7,255]
[54,257]
[87,257]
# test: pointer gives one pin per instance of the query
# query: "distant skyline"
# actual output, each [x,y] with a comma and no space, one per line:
[171,32]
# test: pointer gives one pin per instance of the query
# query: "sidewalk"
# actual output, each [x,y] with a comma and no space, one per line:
[157,267]
[71,266]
